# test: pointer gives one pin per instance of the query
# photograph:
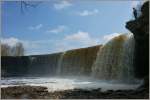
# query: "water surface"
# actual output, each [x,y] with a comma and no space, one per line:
[66,83]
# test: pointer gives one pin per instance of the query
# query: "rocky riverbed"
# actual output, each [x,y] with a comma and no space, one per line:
[38,92]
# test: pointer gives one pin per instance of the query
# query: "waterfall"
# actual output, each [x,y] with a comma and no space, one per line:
[111,61]
[77,62]
[128,58]
[59,65]
[115,59]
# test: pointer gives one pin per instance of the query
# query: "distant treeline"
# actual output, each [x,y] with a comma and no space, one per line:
[17,50]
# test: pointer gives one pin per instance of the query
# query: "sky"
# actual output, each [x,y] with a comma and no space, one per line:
[60,25]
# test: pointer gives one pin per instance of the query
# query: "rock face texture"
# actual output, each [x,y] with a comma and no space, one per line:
[140,28]
[39,92]
[78,61]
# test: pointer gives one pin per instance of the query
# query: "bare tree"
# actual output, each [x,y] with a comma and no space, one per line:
[5,50]
[28,4]
[17,50]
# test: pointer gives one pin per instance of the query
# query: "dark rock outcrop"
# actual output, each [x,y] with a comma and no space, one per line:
[140,28]
[38,92]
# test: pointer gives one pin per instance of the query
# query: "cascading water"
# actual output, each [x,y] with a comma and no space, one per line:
[112,61]
[58,71]
[77,62]
[128,59]
[115,59]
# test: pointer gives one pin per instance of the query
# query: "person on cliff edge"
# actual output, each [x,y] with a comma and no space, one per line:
[135,13]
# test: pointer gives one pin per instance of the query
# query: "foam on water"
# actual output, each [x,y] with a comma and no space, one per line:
[59,84]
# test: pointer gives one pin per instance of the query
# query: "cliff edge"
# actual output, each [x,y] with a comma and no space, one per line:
[140,28]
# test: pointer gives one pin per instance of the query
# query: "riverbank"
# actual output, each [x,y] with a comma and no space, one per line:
[38,92]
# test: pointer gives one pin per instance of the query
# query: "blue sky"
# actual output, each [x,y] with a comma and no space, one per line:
[55,26]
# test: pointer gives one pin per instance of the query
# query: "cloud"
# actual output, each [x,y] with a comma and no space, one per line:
[36,44]
[28,45]
[58,29]
[62,4]
[108,37]
[76,40]
[10,41]
[33,47]
[78,36]
[88,13]
[136,3]
[82,37]
[37,27]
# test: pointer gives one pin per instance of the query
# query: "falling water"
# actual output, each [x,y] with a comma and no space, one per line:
[112,61]
[128,58]
[115,59]
[58,71]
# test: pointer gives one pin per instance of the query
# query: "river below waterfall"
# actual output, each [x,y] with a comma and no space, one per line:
[66,83]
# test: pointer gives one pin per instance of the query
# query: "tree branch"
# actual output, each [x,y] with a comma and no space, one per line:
[25,5]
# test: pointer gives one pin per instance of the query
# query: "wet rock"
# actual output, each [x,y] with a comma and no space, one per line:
[30,92]
[140,28]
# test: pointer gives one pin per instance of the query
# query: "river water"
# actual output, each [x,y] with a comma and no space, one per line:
[66,83]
